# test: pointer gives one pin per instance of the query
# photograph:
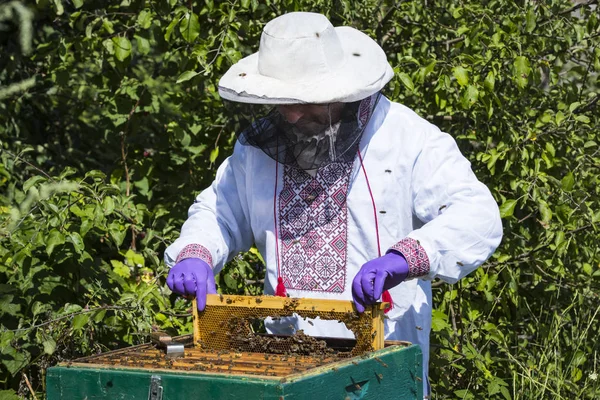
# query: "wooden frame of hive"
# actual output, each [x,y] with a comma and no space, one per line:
[369,337]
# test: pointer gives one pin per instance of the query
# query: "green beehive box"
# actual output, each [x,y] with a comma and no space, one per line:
[143,372]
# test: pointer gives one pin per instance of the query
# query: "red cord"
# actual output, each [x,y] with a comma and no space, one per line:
[373,201]
[280,289]
[386,297]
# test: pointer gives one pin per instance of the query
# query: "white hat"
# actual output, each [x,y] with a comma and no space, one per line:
[302,58]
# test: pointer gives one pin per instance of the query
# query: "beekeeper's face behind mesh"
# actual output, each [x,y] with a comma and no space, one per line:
[304,136]
[310,114]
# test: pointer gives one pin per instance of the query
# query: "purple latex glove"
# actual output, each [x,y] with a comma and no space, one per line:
[376,276]
[192,277]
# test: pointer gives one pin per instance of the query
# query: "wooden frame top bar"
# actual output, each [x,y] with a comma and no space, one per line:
[284,303]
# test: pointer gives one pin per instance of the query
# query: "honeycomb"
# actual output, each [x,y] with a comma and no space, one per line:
[228,323]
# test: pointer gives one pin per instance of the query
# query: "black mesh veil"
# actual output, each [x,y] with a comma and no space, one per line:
[305,144]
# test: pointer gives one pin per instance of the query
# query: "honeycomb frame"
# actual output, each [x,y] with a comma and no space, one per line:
[212,327]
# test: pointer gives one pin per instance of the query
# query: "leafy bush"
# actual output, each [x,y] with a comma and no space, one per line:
[110,123]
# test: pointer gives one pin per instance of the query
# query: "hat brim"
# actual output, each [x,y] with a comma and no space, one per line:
[365,71]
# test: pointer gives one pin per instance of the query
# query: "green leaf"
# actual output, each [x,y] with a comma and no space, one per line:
[582,118]
[59,7]
[559,238]
[7,307]
[143,185]
[79,321]
[29,183]
[172,25]
[560,117]
[40,307]
[530,20]
[55,238]
[14,360]
[545,211]
[99,316]
[86,225]
[72,308]
[143,44]
[439,321]
[144,19]
[550,149]
[120,269]
[117,232]
[49,346]
[230,282]
[470,97]
[214,154]
[507,208]
[521,71]
[9,395]
[461,75]
[109,46]
[108,205]
[573,106]
[464,394]
[406,80]
[122,47]
[108,26]
[134,258]
[190,27]
[77,242]
[568,182]
[186,76]
[489,82]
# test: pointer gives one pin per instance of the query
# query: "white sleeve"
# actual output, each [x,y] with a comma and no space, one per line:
[462,225]
[218,220]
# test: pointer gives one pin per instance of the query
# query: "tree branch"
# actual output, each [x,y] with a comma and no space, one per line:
[71,315]
[586,107]
[29,385]
[17,157]
[578,6]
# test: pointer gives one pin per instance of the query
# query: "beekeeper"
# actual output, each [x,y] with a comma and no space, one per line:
[346,194]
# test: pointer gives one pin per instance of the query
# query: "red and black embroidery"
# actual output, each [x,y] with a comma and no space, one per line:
[415,255]
[313,228]
[195,251]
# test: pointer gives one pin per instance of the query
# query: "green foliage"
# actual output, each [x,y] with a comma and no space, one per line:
[110,124]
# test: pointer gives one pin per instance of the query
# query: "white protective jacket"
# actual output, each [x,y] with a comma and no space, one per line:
[413,191]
